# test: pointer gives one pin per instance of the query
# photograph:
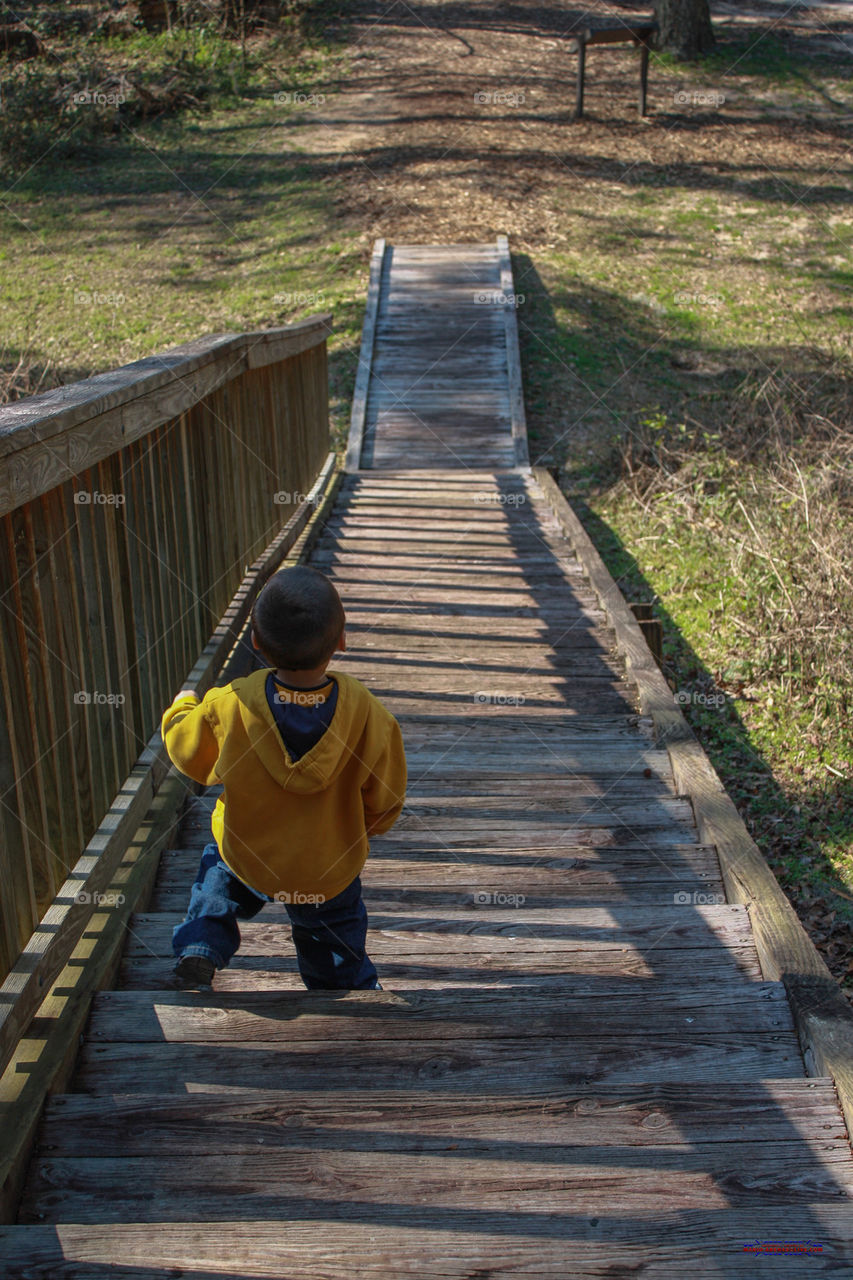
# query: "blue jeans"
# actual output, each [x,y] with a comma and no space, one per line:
[329,937]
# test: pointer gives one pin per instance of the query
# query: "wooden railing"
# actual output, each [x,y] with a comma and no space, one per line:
[131,505]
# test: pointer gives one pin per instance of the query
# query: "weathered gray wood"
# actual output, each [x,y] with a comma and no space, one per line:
[47,438]
[436,321]
[271,967]
[513,358]
[451,1173]
[489,929]
[655,1116]
[365,359]
[44,1063]
[488,1067]
[263,1017]
[439,1245]
[824,1017]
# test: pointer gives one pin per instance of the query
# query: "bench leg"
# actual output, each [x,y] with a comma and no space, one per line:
[644,76]
[581,69]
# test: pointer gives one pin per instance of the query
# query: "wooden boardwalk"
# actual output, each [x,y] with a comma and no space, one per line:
[575,1068]
[439,319]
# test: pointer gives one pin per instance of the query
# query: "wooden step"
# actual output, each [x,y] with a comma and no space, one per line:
[400,1239]
[481,928]
[489,1067]
[266,962]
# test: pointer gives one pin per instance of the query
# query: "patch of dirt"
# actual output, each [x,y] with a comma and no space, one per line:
[456,121]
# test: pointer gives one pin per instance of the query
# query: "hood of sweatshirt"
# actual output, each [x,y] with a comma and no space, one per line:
[318,767]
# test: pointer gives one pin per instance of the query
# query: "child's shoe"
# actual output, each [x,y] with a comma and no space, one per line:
[195,971]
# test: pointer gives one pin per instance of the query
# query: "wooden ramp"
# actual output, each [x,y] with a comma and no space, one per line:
[575,1068]
[439,318]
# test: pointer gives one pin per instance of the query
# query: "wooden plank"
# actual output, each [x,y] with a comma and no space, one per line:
[620,34]
[274,968]
[44,1063]
[824,1017]
[613,891]
[395,629]
[452,1173]
[488,1067]
[18,906]
[486,929]
[513,358]
[284,1017]
[545,840]
[585,879]
[57,707]
[365,359]
[437,1245]
[649,1118]
[30,654]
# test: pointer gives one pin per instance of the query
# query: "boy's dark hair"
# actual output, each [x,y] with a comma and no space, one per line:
[298,619]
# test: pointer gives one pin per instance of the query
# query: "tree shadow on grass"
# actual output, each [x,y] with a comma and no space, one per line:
[789,826]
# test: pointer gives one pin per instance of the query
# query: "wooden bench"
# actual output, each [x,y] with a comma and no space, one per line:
[638,33]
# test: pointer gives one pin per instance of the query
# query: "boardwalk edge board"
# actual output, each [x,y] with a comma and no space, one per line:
[45,1064]
[39,983]
[516,393]
[365,359]
[822,1016]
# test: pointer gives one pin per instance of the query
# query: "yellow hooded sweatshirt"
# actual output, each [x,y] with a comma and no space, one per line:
[286,827]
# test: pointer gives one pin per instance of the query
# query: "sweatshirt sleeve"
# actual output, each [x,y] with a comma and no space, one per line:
[385,790]
[190,740]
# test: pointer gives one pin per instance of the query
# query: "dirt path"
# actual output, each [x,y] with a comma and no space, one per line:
[455,120]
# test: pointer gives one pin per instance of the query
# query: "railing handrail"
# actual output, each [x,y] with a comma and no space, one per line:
[47,438]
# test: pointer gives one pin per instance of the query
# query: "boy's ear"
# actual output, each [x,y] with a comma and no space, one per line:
[257,647]
[342,642]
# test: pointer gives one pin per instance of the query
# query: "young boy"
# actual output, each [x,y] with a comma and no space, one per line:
[312,764]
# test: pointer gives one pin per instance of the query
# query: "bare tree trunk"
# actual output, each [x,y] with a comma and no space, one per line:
[684,27]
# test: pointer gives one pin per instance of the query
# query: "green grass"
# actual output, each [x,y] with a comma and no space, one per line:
[774,719]
[122,244]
